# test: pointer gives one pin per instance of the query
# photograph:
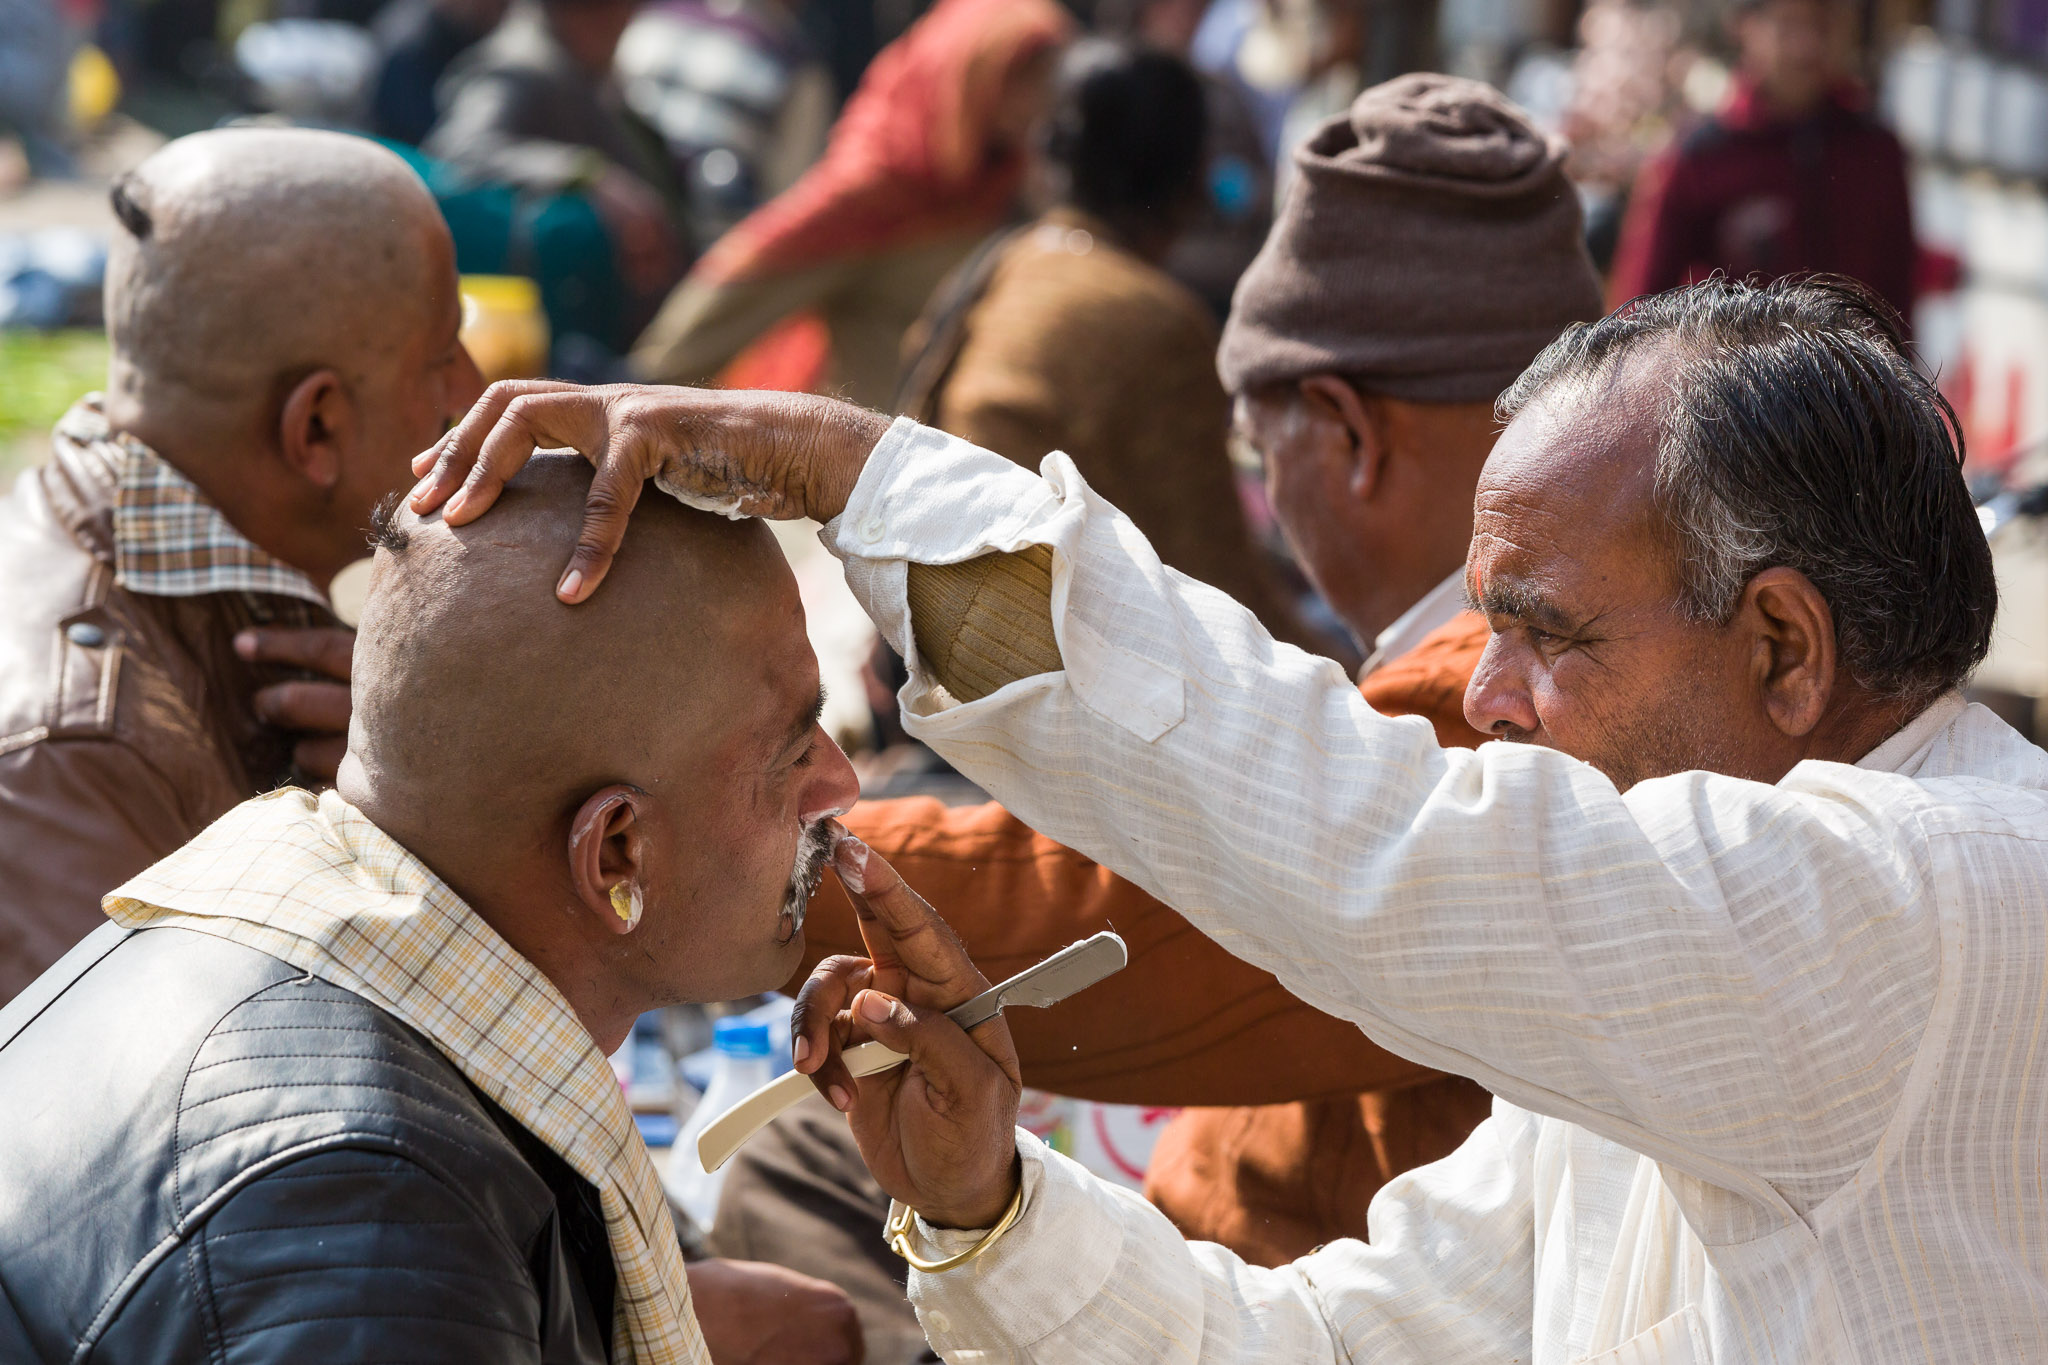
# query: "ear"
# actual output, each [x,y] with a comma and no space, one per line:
[317,427]
[607,845]
[1334,400]
[1794,652]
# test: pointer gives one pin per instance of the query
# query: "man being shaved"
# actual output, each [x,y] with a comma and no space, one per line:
[333,1085]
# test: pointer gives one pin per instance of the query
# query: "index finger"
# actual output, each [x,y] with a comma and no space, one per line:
[324,649]
[447,465]
[900,927]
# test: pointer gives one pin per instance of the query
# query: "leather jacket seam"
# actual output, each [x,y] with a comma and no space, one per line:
[118,1297]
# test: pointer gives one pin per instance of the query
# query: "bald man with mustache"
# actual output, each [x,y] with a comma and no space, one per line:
[334,1084]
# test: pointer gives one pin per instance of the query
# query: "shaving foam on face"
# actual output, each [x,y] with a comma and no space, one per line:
[729,508]
[851,858]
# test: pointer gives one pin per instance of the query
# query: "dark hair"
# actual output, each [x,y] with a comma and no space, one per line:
[385,532]
[121,197]
[1798,433]
[1128,127]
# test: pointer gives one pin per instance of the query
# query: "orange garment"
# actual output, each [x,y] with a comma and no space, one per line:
[1186,1023]
[913,156]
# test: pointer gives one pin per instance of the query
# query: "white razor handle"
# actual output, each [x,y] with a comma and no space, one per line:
[729,1132]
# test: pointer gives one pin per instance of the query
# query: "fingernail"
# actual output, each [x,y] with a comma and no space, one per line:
[801,1050]
[245,644]
[572,583]
[840,1099]
[453,508]
[850,857]
[874,1008]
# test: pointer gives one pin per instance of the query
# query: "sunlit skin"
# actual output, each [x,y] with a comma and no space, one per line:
[1591,653]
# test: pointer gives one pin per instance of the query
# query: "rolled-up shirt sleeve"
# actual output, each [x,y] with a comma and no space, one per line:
[1729,977]
[1093,1272]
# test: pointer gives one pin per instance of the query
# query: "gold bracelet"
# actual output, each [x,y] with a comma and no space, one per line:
[896,1234]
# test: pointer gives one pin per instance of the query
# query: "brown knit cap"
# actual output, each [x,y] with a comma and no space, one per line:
[1428,248]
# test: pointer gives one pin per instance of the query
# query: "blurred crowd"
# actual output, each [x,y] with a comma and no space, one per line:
[772,190]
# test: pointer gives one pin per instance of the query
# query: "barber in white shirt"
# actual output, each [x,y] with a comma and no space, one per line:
[1750,933]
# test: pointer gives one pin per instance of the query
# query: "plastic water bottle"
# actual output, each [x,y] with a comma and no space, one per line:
[741,1065]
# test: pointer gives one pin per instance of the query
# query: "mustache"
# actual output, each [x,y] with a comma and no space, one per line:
[813,851]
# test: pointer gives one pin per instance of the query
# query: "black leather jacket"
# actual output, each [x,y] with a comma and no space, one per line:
[207,1155]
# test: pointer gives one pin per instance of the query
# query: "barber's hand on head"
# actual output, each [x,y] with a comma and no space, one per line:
[315,709]
[777,455]
[753,1313]
[939,1132]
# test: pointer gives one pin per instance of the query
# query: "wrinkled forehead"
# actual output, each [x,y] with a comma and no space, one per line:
[1571,481]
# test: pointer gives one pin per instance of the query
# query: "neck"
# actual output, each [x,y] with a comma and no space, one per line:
[220,447]
[517,897]
[1376,600]
[1851,730]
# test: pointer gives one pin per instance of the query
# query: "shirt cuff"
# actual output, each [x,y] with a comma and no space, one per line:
[930,498]
[1063,1248]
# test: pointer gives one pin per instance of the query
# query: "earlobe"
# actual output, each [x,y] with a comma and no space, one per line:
[606,849]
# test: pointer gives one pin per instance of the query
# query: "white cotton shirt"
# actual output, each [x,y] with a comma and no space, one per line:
[1772,1060]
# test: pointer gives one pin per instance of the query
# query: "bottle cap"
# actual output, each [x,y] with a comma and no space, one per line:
[739,1036]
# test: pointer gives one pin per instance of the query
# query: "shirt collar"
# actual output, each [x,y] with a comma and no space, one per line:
[1909,745]
[169,538]
[1437,606]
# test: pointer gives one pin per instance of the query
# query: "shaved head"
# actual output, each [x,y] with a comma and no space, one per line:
[284,317]
[252,252]
[654,751]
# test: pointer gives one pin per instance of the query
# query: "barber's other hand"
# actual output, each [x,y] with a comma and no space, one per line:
[777,455]
[753,1313]
[939,1133]
[318,710]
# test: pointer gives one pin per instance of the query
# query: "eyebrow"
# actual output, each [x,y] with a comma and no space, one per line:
[1505,595]
[805,722]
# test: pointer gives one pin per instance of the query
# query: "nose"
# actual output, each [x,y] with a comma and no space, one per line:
[834,786]
[1498,700]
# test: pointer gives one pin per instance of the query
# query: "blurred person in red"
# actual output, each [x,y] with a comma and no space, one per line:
[926,158]
[1793,174]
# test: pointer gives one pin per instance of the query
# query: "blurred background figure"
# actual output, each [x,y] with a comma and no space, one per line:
[35,59]
[535,107]
[1792,174]
[417,41]
[737,93]
[1066,335]
[1224,230]
[926,158]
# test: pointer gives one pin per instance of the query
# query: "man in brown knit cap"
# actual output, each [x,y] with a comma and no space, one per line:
[1427,250]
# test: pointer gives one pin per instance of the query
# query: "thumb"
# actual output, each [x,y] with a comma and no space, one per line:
[953,1062]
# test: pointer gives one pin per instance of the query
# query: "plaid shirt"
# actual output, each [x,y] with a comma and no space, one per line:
[169,539]
[314,883]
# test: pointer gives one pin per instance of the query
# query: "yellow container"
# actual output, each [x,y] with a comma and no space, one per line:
[503,326]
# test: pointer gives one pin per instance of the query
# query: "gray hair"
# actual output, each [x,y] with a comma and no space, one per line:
[1798,433]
